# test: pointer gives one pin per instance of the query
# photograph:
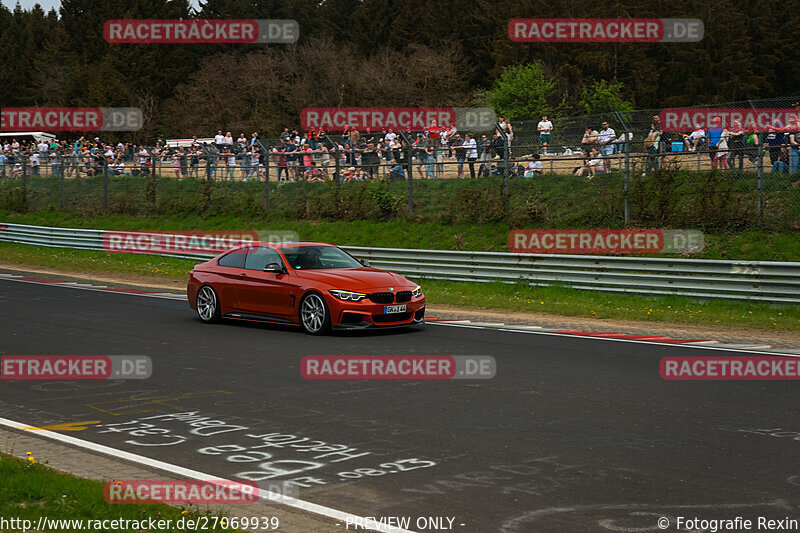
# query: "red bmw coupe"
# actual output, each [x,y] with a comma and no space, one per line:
[318,286]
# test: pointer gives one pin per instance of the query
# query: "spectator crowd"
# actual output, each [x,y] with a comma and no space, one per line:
[367,156]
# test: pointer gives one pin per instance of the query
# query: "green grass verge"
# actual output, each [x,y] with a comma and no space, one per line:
[29,491]
[748,245]
[94,262]
[594,304]
[501,296]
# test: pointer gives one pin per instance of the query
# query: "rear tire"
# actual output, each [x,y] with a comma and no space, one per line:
[207,305]
[314,315]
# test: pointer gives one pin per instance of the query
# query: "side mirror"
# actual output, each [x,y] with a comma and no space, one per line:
[364,262]
[274,267]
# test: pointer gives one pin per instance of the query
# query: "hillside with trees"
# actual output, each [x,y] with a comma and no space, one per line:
[381,53]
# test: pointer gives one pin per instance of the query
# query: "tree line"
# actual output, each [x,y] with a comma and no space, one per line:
[383,53]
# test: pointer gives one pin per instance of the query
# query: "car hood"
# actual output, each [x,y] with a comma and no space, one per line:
[358,279]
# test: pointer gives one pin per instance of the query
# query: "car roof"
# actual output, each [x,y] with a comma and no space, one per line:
[282,245]
[297,244]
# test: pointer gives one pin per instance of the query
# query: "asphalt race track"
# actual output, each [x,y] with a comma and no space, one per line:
[572,435]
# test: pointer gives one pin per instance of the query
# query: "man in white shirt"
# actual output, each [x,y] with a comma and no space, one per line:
[592,166]
[390,137]
[471,148]
[34,163]
[606,139]
[533,167]
[219,139]
[544,127]
[694,139]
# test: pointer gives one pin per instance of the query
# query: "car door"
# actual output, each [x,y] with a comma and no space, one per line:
[262,293]
[227,276]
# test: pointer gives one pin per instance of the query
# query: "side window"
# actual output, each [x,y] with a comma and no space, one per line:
[235,259]
[259,256]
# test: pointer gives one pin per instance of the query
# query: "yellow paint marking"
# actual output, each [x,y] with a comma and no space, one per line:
[67,426]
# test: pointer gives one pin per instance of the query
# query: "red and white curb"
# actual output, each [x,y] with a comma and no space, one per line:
[658,339]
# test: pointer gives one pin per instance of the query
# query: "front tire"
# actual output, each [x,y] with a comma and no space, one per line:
[314,315]
[207,305]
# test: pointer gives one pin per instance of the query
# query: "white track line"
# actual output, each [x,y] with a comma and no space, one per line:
[462,324]
[271,497]
[703,346]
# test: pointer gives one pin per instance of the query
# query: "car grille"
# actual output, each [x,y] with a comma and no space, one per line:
[391,317]
[381,297]
[403,296]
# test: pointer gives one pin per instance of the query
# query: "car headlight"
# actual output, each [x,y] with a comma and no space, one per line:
[348,295]
[416,292]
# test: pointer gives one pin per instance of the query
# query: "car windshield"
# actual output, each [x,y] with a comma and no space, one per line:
[318,258]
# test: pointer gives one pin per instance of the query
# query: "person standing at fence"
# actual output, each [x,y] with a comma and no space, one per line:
[457,144]
[227,142]
[792,139]
[34,162]
[43,146]
[219,140]
[430,158]
[194,161]
[291,159]
[589,141]
[324,158]
[778,154]
[279,157]
[176,165]
[605,140]
[471,152]
[652,145]
[2,163]
[484,156]
[504,126]
[498,146]
[714,136]
[230,163]
[544,128]
[736,145]
[247,160]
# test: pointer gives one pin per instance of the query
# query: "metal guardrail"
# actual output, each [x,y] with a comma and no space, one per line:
[764,281]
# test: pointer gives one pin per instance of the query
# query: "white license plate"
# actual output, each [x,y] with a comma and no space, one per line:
[387,309]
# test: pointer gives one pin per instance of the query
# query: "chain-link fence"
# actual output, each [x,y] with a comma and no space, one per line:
[668,167]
